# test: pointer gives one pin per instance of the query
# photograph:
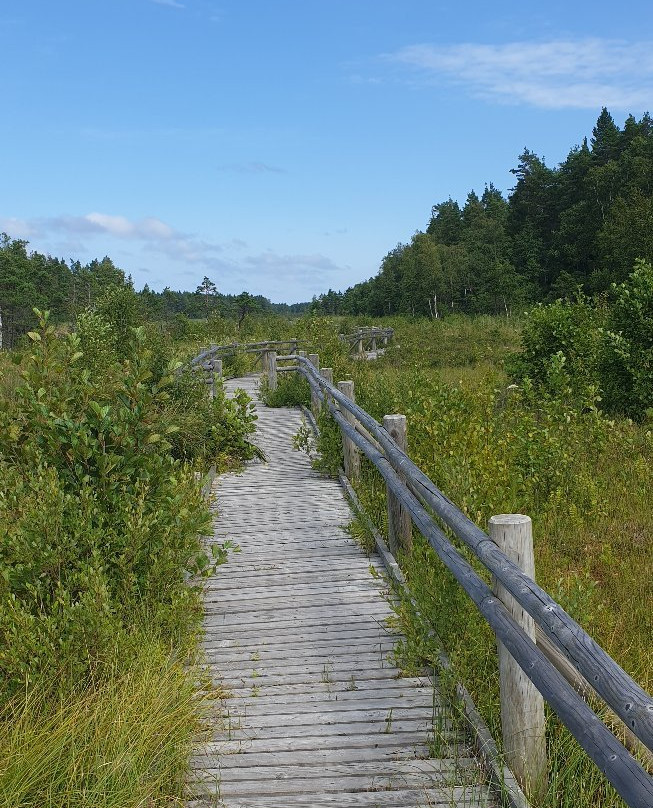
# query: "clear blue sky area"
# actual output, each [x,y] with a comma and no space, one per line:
[285,146]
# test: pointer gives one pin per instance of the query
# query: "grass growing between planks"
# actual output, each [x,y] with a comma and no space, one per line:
[495,447]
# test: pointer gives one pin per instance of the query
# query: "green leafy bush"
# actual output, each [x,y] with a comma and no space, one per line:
[570,330]
[99,522]
[627,359]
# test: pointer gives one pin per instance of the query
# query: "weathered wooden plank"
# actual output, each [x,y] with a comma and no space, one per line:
[335,689]
[409,740]
[268,705]
[312,757]
[297,633]
[468,796]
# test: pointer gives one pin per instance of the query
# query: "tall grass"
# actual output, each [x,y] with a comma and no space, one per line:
[122,742]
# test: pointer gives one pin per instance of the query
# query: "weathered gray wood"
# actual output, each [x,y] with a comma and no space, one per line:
[522,706]
[351,459]
[272,369]
[327,374]
[314,359]
[400,526]
[297,635]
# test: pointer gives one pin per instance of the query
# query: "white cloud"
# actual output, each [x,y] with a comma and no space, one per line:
[169,3]
[587,73]
[16,228]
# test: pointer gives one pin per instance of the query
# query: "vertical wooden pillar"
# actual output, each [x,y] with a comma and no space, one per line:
[314,359]
[264,362]
[522,705]
[217,365]
[373,343]
[272,369]
[400,535]
[359,344]
[351,458]
[327,375]
[211,379]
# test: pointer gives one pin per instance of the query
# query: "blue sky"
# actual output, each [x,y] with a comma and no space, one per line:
[285,146]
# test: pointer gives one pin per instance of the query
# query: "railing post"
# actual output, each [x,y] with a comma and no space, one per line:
[359,344]
[373,343]
[264,362]
[351,458]
[522,705]
[314,359]
[327,375]
[400,535]
[211,379]
[217,366]
[272,369]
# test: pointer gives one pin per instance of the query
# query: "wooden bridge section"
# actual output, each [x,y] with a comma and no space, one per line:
[298,634]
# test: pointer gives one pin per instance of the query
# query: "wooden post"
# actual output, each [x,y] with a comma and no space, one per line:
[217,365]
[327,375]
[522,705]
[400,535]
[211,379]
[373,343]
[359,344]
[272,369]
[264,362]
[314,359]
[351,458]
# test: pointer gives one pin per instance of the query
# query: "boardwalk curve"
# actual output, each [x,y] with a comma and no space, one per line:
[296,631]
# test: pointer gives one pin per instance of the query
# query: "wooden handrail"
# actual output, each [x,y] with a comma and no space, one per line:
[628,700]
[421,498]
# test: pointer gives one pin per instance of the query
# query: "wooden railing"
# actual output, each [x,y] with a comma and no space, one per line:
[368,338]
[553,652]
[557,644]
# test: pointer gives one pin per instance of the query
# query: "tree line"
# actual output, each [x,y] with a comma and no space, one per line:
[578,226]
[30,279]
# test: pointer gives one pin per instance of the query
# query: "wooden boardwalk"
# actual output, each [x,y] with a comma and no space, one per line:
[317,714]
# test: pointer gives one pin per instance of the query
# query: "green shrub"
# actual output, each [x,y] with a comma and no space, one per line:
[292,391]
[627,359]
[571,330]
[98,522]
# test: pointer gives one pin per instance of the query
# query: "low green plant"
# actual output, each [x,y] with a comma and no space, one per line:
[292,391]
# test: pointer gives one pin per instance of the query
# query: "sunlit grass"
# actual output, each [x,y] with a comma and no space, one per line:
[122,742]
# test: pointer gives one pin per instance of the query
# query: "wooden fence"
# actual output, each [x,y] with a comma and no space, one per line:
[546,650]
[555,654]
[368,338]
